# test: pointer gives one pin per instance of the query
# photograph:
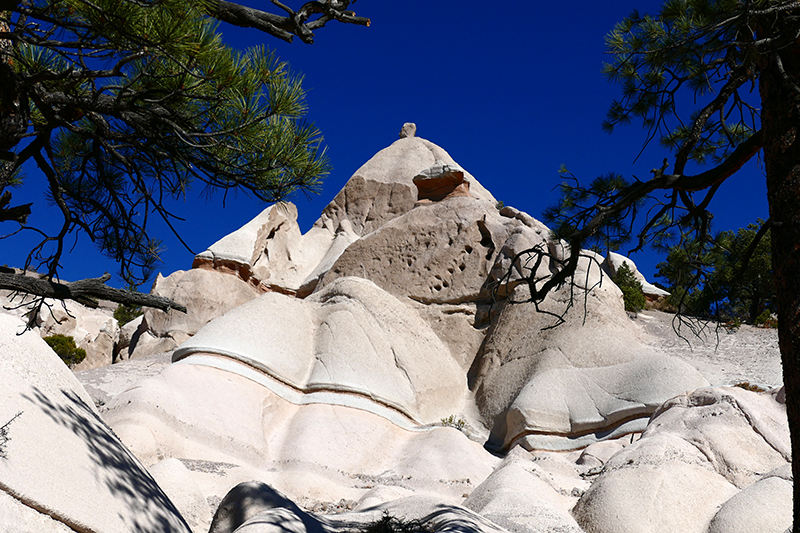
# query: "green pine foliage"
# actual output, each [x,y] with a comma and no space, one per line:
[124,313]
[577,205]
[683,47]
[66,349]
[716,280]
[631,288]
[127,105]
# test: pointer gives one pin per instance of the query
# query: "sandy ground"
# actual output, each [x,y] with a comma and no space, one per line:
[725,358]
[105,383]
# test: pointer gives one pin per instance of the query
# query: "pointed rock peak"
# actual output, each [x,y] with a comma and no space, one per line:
[384,188]
[440,181]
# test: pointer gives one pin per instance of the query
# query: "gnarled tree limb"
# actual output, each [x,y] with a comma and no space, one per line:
[286,27]
[84,291]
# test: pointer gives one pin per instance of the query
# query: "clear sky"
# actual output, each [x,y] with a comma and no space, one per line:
[512,90]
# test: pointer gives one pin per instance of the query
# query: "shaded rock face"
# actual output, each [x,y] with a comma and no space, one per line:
[64,468]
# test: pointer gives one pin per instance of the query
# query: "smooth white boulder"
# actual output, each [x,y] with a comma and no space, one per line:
[765,506]
[312,452]
[686,471]
[59,458]
[554,385]
[521,495]
[351,339]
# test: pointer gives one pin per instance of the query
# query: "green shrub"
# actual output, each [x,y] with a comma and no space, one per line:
[631,289]
[124,313]
[66,349]
[453,422]
[765,320]
[746,385]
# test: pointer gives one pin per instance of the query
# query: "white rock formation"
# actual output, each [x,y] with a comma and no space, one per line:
[564,387]
[614,261]
[93,329]
[327,382]
[351,343]
[698,451]
[62,468]
[206,294]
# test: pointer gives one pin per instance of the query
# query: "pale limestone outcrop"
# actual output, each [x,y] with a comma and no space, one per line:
[565,387]
[764,506]
[351,338]
[206,294]
[686,471]
[270,253]
[59,459]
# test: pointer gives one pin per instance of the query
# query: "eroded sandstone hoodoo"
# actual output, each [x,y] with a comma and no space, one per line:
[367,365]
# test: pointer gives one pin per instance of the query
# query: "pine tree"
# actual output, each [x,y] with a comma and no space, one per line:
[124,104]
[736,276]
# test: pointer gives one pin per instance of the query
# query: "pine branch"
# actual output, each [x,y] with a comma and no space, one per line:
[85,291]
[285,28]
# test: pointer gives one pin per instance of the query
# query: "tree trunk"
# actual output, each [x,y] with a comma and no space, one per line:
[780,122]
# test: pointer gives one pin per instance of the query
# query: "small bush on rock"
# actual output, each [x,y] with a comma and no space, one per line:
[453,422]
[66,349]
[766,320]
[632,293]
[124,313]
[746,385]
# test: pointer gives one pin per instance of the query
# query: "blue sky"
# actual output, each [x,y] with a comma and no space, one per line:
[511,92]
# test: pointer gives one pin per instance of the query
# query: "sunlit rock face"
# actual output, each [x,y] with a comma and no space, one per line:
[413,232]
[374,361]
[705,457]
[61,467]
[350,338]
[548,384]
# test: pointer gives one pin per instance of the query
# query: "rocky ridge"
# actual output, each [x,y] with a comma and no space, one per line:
[370,364]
